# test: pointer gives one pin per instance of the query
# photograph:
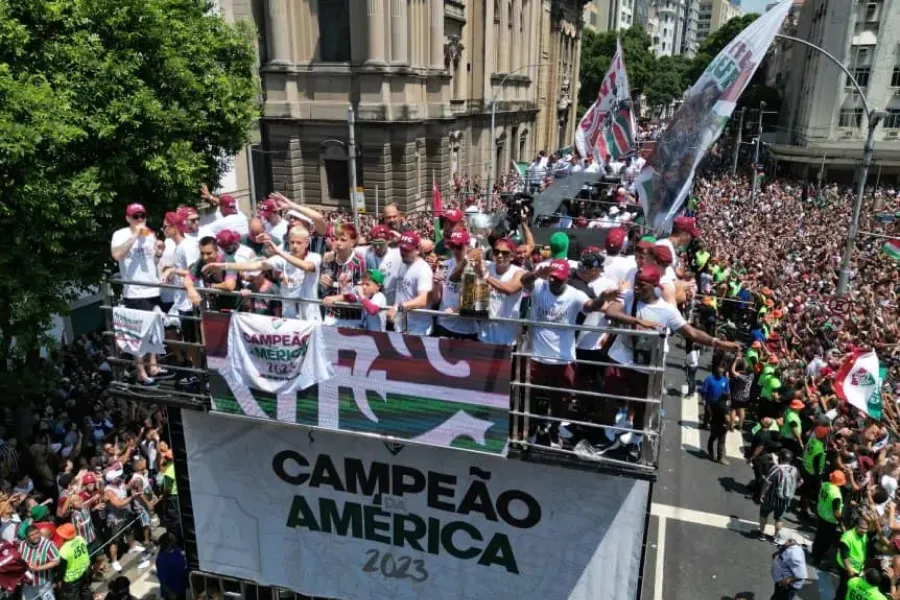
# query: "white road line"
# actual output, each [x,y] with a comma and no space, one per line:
[690,431]
[697,517]
[660,560]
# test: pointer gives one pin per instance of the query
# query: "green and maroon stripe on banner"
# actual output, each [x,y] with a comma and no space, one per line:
[440,392]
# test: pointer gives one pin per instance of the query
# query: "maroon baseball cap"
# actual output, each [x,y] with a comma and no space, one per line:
[409,241]
[176,219]
[188,212]
[453,216]
[226,238]
[686,225]
[559,269]
[135,209]
[227,204]
[380,232]
[615,239]
[460,239]
[649,274]
[662,254]
[268,207]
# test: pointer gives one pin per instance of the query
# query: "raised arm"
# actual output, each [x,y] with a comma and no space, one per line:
[319,223]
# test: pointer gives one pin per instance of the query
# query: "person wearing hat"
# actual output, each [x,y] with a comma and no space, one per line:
[299,215]
[451,220]
[415,280]
[588,278]
[368,293]
[76,583]
[446,288]
[379,255]
[134,249]
[276,226]
[792,428]
[852,554]
[554,300]
[618,267]
[641,304]
[830,511]
[684,229]
[268,300]
[42,558]
[228,216]
[505,281]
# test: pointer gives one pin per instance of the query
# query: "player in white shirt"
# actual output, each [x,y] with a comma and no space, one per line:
[552,349]
[299,274]
[617,266]
[684,229]
[379,255]
[414,282]
[276,225]
[228,215]
[186,253]
[447,287]
[505,280]
[631,352]
[134,248]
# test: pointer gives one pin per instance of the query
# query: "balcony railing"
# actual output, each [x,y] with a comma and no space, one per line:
[487,392]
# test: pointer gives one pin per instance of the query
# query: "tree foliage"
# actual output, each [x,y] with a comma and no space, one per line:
[716,42]
[597,50]
[103,103]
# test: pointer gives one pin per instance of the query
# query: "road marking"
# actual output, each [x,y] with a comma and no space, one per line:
[660,559]
[697,517]
[690,431]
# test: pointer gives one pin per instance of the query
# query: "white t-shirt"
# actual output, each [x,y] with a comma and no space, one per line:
[502,305]
[299,284]
[590,340]
[377,322]
[658,311]
[138,264]
[166,260]
[389,265]
[554,346]
[676,260]
[413,280]
[620,268]
[277,232]
[182,261]
[450,299]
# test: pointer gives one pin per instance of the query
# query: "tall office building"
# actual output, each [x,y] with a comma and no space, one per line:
[823,119]
[712,14]
[421,75]
[666,22]
[690,18]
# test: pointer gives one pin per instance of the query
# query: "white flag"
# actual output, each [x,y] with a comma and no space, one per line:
[665,180]
[858,382]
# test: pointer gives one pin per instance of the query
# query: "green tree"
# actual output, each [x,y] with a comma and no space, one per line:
[668,83]
[715,42]
[104,103]
[597,50]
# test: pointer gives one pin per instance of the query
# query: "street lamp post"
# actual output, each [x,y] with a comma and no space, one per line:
[762,106]
[494,123]
[873,117]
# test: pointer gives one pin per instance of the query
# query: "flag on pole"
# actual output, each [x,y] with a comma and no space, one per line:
[892,249]
[665,180]
[858,382]
[606,131]
[437,209]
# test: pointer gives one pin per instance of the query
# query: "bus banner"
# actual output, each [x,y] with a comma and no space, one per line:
[352,517]
[441,392]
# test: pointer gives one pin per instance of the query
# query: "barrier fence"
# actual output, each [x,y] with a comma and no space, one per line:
[406,388]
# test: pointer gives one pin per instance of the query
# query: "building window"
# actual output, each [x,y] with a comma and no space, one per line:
[851,117]
[338,179]
[861,74]
[861,66]
[892,119]
[496,12]
[334,31]
[895,77]
[872,12]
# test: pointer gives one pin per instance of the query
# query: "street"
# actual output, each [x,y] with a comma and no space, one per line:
[700,544]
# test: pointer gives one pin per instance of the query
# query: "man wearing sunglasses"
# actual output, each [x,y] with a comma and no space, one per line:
[134,248]
[381,257]
[505,281]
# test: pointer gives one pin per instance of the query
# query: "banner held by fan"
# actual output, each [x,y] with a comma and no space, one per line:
[607,130]
[665,181]
[859,381]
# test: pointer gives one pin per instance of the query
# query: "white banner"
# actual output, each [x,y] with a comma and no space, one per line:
[139,332]
[607,129]
[353,517]
[665,180]
[279,356]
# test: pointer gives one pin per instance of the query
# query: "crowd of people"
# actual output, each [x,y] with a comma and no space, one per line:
[767,271]
[84,474]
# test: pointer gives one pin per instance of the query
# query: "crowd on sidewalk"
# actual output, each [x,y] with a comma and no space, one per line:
[767,270]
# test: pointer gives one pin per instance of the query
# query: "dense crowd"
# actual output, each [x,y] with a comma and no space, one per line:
[767,271]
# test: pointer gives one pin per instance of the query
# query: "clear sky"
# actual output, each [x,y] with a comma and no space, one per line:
[757,6]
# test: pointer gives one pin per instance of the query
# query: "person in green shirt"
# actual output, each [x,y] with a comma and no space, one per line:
[769,384]
[814,455]
[852,554]
[77,573]
[866,587]
[791,427]
[830,510]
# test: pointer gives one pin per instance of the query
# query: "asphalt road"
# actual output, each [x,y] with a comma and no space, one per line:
[700,542]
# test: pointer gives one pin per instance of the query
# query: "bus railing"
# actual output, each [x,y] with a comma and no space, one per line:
[602,441]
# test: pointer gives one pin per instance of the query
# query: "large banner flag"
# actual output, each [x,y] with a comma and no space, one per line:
[440,392]
[859,381]
[606,131]
[665,180]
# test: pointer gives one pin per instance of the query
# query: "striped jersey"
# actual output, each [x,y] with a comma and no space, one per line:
[81,519]
[9,457]
[40,554]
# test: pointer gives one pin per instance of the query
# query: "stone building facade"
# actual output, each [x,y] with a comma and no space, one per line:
[420,75]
